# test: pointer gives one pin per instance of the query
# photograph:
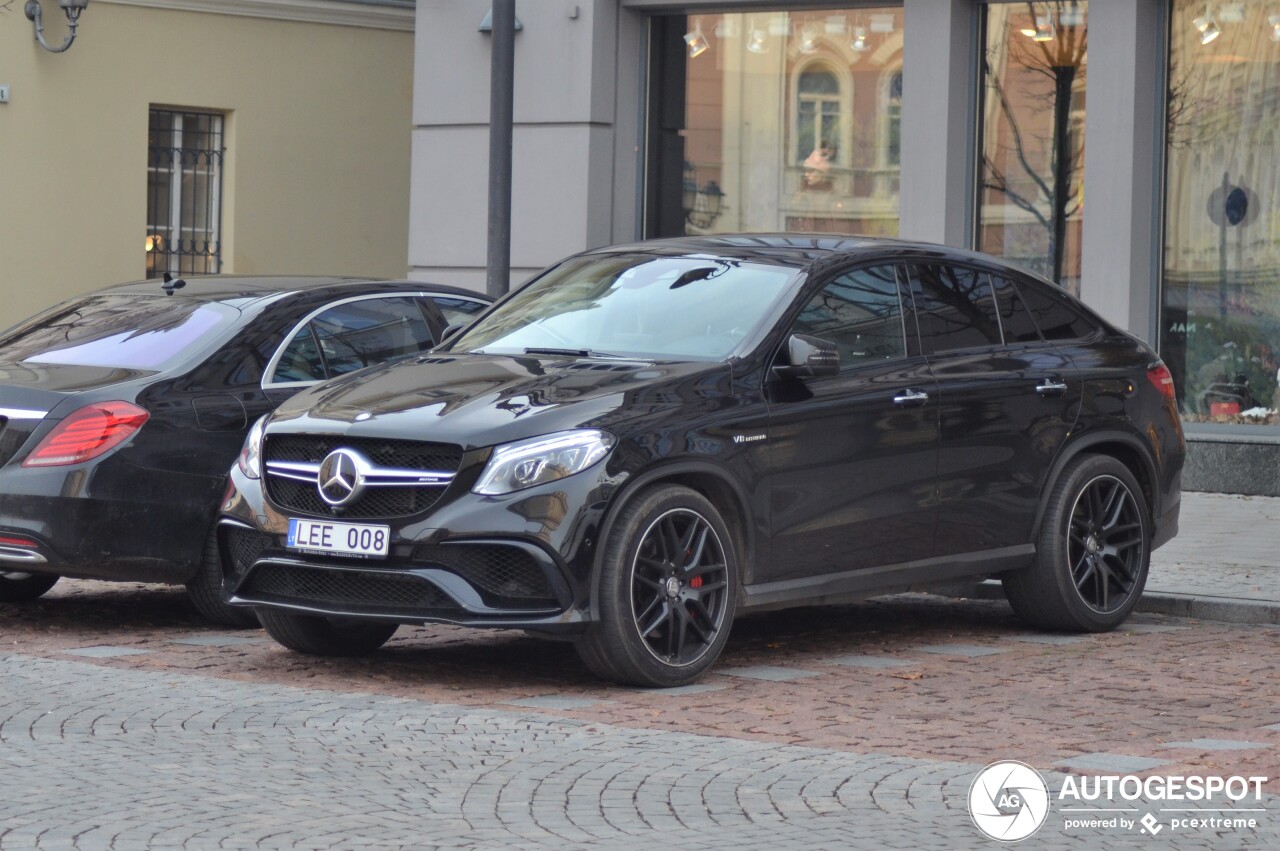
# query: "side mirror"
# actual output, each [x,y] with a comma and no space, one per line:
[810,357]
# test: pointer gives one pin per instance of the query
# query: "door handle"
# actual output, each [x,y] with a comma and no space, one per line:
[910,398]
[1051,386]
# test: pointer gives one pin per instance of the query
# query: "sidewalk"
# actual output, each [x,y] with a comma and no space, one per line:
[1224,565]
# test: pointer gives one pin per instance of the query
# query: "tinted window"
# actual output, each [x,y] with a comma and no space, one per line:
[127,331]
[352,336]
[1015,319]
[1057,319]
[860,312]
[458,310]
[363,333]
[954,308]
[301,360]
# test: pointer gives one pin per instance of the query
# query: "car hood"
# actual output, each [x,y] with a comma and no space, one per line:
[41,386]
[482,400]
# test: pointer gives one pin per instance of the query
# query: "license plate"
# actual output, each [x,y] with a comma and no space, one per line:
[347,539]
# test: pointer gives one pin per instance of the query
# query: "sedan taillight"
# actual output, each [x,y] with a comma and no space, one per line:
[87,433]
[1160,376]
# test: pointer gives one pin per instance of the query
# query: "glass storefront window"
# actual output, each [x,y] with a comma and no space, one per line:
[792,122]
[1031,175]
[1220,323]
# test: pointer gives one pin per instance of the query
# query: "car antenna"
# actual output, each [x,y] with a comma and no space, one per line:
[171,283]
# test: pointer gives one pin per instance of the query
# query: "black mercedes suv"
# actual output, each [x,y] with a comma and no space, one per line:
[647,439]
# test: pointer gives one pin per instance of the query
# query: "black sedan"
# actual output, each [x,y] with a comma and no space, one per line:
[121,412]
[648,439]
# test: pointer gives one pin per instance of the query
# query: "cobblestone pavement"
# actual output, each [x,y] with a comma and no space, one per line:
[125,723]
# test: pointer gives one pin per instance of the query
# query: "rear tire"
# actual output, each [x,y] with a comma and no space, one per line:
[1093,552]
[17,587]
[205,591]
[320,636]
[667,594]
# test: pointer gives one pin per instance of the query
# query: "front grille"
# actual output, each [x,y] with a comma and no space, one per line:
[245,546]
[349,590]
[302,497]
[505,576]
[408,454]
[375,502]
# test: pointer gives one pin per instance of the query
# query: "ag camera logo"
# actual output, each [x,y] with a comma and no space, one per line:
[1008,801]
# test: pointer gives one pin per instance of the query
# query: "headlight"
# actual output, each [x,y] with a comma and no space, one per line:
[525,463]
[250,460]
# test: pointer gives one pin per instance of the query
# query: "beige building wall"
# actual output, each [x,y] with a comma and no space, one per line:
[317,138]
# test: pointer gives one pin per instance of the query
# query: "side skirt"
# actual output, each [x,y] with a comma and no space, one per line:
[870,582]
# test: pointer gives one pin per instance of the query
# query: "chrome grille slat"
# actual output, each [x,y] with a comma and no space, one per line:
[292,471]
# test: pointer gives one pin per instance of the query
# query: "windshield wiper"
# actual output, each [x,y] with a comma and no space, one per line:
[573,353]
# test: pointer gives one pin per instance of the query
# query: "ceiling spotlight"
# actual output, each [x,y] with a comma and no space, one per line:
[859,40]
[1207,26]
[1274,21]
[697,42]
[758,42]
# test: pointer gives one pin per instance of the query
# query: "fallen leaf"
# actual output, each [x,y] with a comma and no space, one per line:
[909,675]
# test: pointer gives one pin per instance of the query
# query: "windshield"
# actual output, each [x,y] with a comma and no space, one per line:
[634,305]
[118,330]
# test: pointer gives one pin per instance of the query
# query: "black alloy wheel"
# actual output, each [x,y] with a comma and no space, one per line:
[17,587]
[678,587]
[1093,551]
[1107,544]
[667,591]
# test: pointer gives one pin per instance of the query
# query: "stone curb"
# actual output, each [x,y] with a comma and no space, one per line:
[1200,606]
[1226,609]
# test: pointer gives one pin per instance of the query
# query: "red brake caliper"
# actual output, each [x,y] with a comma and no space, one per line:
[695,582]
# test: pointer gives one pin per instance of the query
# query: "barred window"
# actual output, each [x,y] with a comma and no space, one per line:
[184,193]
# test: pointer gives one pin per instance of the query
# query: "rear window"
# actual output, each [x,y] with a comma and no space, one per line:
[954,308]
[126,331]
[1055,316]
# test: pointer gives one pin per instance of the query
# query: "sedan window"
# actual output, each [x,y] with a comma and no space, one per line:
[351,336]
[860,312]
[458,310]
[127,331]
[301,360]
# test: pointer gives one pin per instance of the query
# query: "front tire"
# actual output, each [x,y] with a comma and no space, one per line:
[205,591]
[320,636]
[1093,553]
[667,591]
[18,587]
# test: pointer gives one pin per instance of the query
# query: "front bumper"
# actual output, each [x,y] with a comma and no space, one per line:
[522,560]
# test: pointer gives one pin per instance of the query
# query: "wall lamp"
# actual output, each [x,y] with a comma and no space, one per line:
[71,8]
[1208,27]
[702,204]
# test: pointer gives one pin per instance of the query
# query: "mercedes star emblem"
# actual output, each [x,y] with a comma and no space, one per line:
[341,477]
